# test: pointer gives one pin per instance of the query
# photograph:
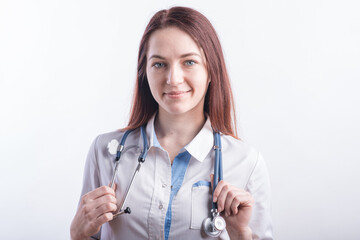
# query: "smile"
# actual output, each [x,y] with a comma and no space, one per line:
[176,94]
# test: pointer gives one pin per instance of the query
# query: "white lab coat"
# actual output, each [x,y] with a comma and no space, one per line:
[149,198]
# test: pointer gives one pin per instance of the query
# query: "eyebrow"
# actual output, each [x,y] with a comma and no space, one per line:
[182,56]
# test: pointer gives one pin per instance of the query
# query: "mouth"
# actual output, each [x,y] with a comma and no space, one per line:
[176,94]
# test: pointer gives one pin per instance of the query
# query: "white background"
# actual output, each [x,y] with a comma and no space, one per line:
[67,70]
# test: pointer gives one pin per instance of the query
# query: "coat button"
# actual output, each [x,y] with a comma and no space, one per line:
[161,206]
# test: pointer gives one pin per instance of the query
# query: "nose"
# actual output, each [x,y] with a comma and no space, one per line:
[175,76]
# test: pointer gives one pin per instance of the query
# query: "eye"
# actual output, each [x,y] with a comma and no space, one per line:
[189,62]
[158,65]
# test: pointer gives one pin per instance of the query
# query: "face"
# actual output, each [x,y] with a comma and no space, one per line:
[176,72]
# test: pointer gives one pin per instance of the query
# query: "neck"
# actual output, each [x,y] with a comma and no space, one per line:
[182,128]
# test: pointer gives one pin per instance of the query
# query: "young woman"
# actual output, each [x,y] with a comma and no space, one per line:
[182,96]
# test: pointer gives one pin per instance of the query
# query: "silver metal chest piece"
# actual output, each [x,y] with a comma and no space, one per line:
[214,225]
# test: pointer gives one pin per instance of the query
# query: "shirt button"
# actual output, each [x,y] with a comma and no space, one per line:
[160,206]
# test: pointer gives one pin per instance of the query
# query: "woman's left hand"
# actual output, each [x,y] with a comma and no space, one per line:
[235,205]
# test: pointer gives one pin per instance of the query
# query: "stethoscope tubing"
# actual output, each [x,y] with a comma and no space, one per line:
[120,149]
[218,171]
[141,160]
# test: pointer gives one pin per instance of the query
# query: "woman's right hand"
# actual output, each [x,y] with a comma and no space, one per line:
[95,209]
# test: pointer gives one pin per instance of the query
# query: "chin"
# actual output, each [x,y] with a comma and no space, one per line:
[181,110]
[176,110]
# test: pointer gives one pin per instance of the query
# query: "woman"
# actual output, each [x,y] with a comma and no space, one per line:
[182,95]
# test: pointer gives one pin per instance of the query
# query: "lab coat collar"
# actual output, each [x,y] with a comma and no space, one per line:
[203,142]
[150,130]
[199,147]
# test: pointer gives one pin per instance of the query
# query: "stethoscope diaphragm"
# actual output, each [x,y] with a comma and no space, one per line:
[214,225]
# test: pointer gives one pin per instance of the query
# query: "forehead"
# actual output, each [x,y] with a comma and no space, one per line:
[171,41]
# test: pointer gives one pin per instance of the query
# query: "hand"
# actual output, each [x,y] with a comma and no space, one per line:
[236,207]
[95,209]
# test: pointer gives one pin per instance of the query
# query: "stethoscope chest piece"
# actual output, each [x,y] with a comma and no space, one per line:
[214,225]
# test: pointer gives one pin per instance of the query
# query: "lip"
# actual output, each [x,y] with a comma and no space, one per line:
[176,94]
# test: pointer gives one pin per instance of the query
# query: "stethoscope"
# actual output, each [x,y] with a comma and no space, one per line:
[214,224]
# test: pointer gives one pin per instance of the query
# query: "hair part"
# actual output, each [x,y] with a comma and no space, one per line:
[219,103]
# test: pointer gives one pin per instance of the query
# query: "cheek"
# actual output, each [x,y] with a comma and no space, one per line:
[200,81]
[150,79]
[152,86]
[155,86]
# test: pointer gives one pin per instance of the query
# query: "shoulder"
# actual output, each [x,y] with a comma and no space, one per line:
[104,140]
[238,147]
[240,160]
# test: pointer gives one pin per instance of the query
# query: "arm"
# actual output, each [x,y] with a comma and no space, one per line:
[245,217]
[97,203]
[259,187]
[236,207]
[95,209]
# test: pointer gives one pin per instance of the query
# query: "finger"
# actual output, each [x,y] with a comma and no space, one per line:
[232,194]
[90,208]
[94,213]
[104,199]
[105,208]
[235,205]
[104,190]
[106,217]
[244,199]
[218,189]
[98,192]
[114,186]
[222,190]
[99,206]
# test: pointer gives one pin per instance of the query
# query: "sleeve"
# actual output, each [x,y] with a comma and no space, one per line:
[91,175]
[91,171]
[259,187]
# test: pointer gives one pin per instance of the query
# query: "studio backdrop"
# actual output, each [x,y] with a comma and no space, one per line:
[67,72]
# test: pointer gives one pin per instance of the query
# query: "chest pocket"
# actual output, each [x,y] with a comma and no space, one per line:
[200,203]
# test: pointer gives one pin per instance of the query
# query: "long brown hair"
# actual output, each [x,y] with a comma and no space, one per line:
[219,103]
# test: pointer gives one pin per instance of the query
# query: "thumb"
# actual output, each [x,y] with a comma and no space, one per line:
[114,187]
